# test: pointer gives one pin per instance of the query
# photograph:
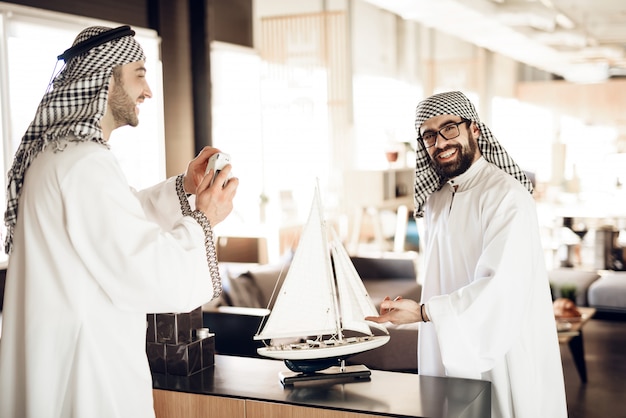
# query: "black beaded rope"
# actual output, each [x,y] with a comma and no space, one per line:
[209,239]
[182,196]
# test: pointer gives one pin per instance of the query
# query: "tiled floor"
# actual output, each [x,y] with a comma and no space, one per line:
[604,394]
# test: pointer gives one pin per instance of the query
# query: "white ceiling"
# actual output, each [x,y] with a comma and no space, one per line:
[580,40]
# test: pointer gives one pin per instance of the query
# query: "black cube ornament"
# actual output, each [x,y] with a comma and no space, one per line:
[173,328]
[207,348]
[156,357]
[176,343]
[195,317]
[151,328]
[183,359]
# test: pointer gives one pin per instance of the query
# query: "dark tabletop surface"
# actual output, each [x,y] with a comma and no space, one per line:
[383,393]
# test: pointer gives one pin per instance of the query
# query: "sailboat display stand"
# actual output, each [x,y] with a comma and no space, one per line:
[343,372]
[321,301]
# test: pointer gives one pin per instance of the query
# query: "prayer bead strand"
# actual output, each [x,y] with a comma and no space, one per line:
[209,239]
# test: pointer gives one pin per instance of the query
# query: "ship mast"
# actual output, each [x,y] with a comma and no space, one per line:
[330,275]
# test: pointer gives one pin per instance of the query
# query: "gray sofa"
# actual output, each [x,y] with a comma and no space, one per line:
[608,293]
[576,281]
[603,290]
[236,316]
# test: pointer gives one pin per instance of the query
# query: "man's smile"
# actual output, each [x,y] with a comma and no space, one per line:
[446,154]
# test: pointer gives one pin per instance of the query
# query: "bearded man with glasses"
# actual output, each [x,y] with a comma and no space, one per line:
[486,310]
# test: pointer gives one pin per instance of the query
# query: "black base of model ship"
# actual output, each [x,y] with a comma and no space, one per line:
[333,372]
[313,365]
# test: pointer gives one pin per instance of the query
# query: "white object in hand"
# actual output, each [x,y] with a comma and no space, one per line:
[218,162]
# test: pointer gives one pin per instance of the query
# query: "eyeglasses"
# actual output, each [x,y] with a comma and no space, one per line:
[450,131]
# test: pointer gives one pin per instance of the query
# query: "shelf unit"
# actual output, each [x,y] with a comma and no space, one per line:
[371,191]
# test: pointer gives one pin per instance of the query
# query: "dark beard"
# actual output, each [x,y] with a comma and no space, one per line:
[462,163]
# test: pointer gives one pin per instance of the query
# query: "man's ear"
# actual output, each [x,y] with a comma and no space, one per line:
[475,129]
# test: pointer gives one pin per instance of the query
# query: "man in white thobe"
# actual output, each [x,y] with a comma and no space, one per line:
[486,308]
[89,256]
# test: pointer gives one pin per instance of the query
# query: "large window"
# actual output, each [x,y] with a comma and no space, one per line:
[384,119]
[30,41]
[237,128]
[274,121]
[526,131]
[575,158]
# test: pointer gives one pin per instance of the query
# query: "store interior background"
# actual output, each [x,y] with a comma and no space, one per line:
[312,91]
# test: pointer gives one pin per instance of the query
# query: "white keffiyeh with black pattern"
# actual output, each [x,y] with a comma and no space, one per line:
[72,109]
[427,180]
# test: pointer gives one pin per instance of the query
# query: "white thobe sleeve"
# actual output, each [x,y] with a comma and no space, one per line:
[143,253]
[478,324]
[161,204]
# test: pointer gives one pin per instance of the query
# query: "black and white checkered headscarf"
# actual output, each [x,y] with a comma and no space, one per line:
[72,109]
[427,180]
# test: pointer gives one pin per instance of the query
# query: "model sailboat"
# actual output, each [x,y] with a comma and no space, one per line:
[321,300]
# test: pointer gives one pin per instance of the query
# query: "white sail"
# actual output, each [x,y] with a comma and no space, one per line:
[355,302]
[311,295]
[305,305]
